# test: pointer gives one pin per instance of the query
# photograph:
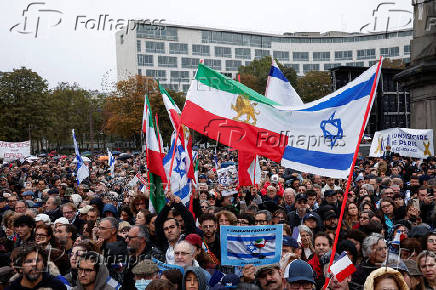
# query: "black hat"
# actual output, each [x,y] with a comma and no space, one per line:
[329,192]
[301,196]
[331,214]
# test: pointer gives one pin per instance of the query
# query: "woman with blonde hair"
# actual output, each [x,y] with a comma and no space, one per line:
[385,278]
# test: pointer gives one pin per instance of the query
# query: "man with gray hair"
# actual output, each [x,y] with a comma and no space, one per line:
[374,251]
[113,246]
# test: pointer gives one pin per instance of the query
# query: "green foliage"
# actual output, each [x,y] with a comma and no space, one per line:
[73,107]
[314,85]
[23,105]
[256,73]
[124,109]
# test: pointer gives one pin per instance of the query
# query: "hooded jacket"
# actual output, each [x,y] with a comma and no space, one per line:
[102,280]
[201,277]
[369,282]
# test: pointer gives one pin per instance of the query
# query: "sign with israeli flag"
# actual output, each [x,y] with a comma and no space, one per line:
[257,245]
[179,181]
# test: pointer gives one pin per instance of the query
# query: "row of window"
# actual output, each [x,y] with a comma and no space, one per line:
[233,65]
[265,41]
[245,53]
[242,39]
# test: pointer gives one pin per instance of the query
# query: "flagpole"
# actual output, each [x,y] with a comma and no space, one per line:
[350,175]
[158,133]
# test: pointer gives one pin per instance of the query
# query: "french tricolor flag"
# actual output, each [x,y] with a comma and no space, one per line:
[399,236]
[343,267]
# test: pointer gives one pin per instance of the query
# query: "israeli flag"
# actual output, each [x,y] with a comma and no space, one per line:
[82,171]
[279,89]
[323,134]
[179,181]
[111,162]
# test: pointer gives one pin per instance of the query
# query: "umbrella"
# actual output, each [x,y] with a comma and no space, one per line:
[115,153]
[42,155]
[124,156]
[86,153]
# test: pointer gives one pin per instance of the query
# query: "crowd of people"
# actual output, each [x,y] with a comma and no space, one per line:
[101,234]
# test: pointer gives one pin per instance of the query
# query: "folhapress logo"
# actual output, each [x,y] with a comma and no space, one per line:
[387,17]
[34,17]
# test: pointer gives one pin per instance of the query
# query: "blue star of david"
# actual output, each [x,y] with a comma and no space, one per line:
[327,134]
[179,161]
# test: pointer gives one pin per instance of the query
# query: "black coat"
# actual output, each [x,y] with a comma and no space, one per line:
[48,281]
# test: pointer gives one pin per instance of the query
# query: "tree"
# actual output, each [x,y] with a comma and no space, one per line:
[314,85]
[73,107]
[255,74]
[123,110]
[393,63]
[24,112]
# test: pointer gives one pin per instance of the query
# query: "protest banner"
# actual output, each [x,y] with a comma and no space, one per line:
[227,176]
[416,143]
[257,245]
[10,151]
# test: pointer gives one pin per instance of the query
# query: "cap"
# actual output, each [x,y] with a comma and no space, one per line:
[42,217]
[76,198]
[299,270]
[274,178]
[290,242]
[261,268]
[145,267]
[329,192]
[310,216]
[230,281]
[301,196]
[194,240]
[330,215]
[85,209]
[53,191]
[62,221]
[28,193]
[413,268]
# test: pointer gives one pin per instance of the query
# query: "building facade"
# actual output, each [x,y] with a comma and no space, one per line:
[391,108]
[171,53]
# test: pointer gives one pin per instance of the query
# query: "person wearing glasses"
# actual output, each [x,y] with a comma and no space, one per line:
[34,275]
[93,274]
[263,217]
[136,240]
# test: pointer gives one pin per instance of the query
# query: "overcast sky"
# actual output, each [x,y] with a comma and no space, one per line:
[60,53]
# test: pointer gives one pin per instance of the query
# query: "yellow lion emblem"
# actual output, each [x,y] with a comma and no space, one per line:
[242,107]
